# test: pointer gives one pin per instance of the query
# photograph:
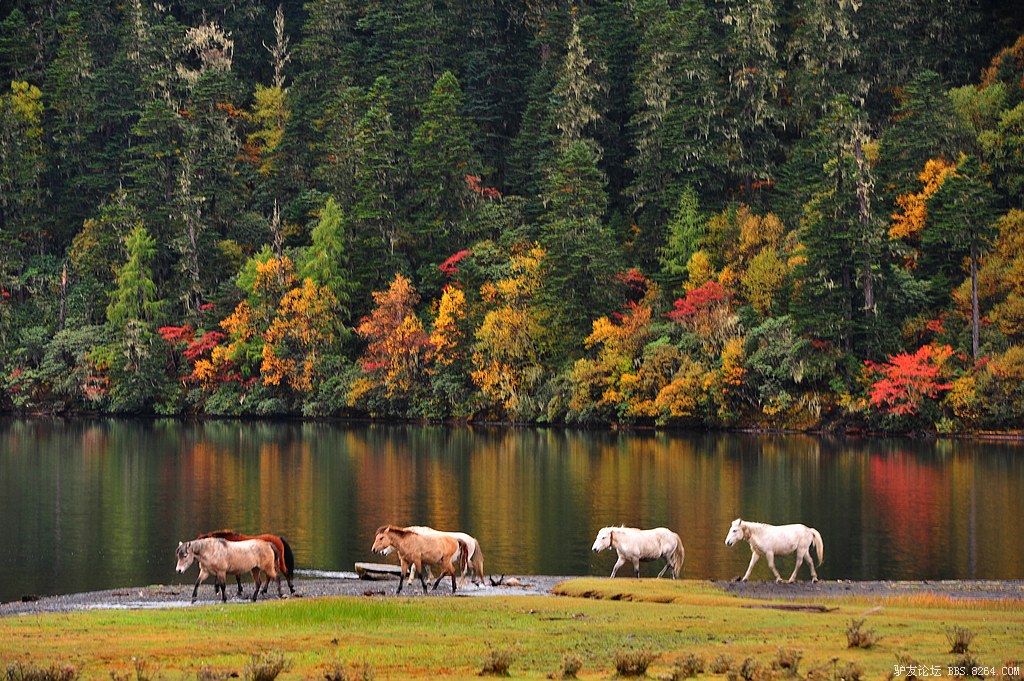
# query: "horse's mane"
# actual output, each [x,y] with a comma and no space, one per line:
[393,528]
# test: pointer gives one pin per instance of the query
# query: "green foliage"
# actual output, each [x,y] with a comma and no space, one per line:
[523,167]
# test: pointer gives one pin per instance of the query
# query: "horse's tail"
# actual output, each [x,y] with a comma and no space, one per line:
[679,555]
[478,562]
[463,557]
[819,545]
[289,558]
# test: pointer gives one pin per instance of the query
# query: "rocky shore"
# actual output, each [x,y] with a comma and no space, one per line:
[179,595]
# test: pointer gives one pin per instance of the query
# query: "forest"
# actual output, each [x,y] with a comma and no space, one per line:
[792,214]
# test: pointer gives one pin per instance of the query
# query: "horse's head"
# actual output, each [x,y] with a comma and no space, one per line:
[603,541]
[185,556]
[382,542]
[736,533]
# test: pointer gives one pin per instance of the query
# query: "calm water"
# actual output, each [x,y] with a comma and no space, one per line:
[100,504]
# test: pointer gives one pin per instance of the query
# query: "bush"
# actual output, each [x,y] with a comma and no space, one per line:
[788,660]
[959,639]
[721,664]
[142,673]
[337,671]
[571,666]
[688,667]
[205,673]
[265,666]
[858,638]
[634,662]
[30,672]
[497,662]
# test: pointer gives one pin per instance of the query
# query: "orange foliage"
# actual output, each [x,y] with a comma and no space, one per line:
[912,215]
[297,336]
[901,385]
[397,345]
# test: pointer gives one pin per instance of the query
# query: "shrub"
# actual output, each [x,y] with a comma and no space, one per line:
[788,660]
[142,672]
[30,672]
[205,673]
[750,669]
[959,639]
[265,666]
[634,662]
[688,667]
[858,638]
[571,666]
[337,671]
[497,662]
[721,664]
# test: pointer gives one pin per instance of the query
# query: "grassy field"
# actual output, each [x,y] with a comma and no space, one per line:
[596,623]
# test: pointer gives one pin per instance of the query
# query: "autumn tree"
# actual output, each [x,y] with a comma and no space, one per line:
[394,363]
[510,348]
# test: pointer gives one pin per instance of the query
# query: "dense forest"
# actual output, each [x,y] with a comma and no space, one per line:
[696,213]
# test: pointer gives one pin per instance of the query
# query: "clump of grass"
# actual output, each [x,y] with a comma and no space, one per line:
[634,662]
[497,662]
[849,671]
[687,668]
[265,666]
[337,671]
[30,672]
[750,669]
[206,673]
[904,663]
[571,666]
[143,672]
[721,664]
[856,637]
[959,639]
[788,660]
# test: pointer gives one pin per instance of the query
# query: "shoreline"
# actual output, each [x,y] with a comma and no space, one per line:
[179,595]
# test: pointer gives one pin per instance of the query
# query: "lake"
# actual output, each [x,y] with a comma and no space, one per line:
[95,504]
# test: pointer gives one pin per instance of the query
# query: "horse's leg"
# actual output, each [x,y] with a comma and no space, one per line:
[238,578]
[636,567]
[203,574]
[667,563]
[754,556]
[256,583]
[619,563]
[771,563]
[810,564]
[800,553]
[419,569]
[405,567]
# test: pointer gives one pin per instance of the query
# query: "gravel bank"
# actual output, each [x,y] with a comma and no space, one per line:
[347,584]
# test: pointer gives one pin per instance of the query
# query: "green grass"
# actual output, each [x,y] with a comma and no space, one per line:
[449,637]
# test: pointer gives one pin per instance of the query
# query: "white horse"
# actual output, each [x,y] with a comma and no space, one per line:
[634,545]
[777,540]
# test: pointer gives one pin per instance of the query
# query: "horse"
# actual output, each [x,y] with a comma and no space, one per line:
[285,557]
[635,545]
[777,540]
[219,557]
[475,559]
[416,550]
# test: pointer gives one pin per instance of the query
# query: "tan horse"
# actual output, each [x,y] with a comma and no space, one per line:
[777,540]
[475,559]
[285,557]
[634,545]
[419,550]
[220,557]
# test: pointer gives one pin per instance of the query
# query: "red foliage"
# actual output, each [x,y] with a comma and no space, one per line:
[175,335]
[711,294]
[901,385]
[197,349]
[489,193]
[450,267]
[937,326]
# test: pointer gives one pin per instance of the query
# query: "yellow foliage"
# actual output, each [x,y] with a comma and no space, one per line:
[733,372]
[682,397]
[446,338]
[912,214]
[699,269]
[963,397]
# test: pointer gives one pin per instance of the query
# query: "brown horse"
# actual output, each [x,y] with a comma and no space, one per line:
[285,557]
[418,550]
[219,557]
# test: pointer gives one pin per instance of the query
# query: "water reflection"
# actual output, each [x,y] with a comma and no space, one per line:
[96,504]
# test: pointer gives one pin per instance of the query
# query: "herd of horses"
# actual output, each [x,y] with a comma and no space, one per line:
[421,550]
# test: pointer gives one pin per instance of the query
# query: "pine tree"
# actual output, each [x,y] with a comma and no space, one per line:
[442,157]
[326,260]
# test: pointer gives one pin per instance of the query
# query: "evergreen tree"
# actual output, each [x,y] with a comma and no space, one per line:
[326,260]
[442,156]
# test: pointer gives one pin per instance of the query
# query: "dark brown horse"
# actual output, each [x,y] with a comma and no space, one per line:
[285,557]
